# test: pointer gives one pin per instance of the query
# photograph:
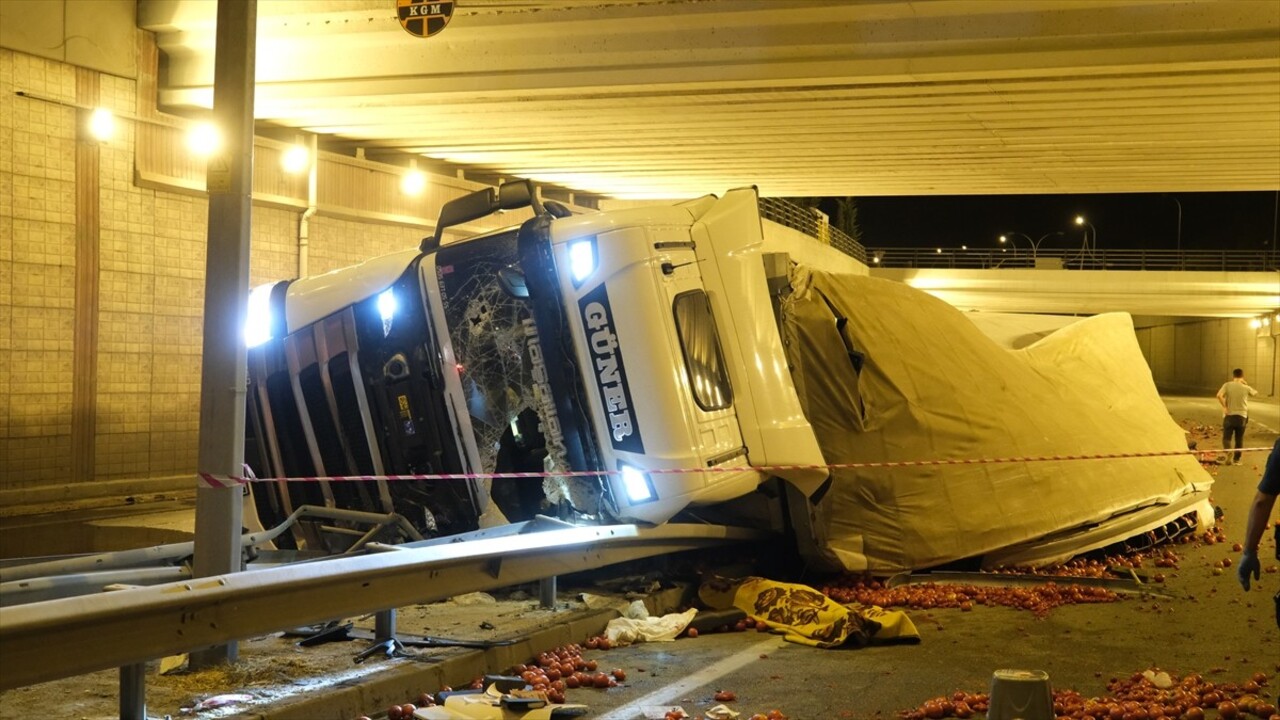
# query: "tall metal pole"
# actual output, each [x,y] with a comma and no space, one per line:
[1179,246]
[223,375]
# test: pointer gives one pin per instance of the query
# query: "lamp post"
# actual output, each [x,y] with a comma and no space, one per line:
[1090,231]
[1035,244]
[1179,245]
[1080,220]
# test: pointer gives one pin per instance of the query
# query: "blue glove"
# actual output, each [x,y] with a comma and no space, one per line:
[1248,566]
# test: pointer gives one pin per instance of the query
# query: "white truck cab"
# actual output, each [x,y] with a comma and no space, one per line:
[620,343]
[675,337]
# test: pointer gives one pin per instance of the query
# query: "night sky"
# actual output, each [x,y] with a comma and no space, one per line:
[1235,221]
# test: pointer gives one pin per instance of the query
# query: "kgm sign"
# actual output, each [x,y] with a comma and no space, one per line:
[424,18]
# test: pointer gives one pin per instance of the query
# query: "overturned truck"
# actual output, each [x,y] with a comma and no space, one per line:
[643,363]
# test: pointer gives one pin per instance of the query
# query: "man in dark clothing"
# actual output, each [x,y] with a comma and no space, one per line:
[1259,519]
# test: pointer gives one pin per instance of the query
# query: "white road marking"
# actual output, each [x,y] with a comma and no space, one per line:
[667,694]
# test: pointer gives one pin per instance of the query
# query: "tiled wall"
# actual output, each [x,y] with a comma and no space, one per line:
[339,243]
[1198,356]
[37,252]
[150,289]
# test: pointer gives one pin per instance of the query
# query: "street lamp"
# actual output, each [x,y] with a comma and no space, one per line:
[1080,220]
[1035,244]
[1089,247]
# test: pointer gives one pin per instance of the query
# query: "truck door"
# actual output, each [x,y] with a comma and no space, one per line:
[705,371]
[729,243]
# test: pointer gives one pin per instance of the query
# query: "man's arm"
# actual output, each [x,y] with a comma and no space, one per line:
[1259,519]
[1222,399]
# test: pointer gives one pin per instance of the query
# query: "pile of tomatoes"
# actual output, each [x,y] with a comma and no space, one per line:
[1039,599]
[563,668]
[551,673]
[1134,698]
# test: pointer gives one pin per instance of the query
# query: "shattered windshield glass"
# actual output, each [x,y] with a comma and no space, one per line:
[486,326]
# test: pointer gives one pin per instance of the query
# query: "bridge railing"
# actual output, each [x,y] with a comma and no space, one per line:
[813,223]
[1076,259]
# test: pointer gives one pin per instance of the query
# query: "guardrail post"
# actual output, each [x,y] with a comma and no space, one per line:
[133,692]
[384,625]
[547,592]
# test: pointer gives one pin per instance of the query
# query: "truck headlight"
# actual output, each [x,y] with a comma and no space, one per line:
[258,322]
[637,484]
[582,259]
[387,306]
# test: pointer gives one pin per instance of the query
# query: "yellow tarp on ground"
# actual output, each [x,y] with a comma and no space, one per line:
[805,616]
[931,386]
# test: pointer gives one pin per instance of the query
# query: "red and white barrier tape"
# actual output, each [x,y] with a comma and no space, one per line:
[224,481]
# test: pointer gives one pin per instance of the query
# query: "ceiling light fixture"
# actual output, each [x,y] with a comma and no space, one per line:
[102,124]
[413,182]
[204,139]
[295,159]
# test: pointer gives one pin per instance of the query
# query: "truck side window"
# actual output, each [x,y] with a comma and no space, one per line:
[700,344]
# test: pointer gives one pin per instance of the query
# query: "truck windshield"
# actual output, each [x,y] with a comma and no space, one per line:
[487,328]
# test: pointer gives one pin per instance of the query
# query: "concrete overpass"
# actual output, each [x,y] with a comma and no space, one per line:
[670,98]
[802,98]
[1089,292]
[1152,283]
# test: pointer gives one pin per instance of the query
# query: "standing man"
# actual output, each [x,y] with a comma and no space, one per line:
[1234,398]
[1259,518]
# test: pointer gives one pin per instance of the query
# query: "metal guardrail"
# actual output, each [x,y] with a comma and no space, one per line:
[811,222]
[1106,259]
[71,636]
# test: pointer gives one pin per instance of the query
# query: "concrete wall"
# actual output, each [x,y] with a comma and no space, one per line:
[93,34]
[1197,356]
[102,278]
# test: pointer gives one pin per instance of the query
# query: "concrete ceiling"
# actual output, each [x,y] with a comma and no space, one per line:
[648,98]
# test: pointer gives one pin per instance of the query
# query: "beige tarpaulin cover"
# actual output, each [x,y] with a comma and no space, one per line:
[933,387]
